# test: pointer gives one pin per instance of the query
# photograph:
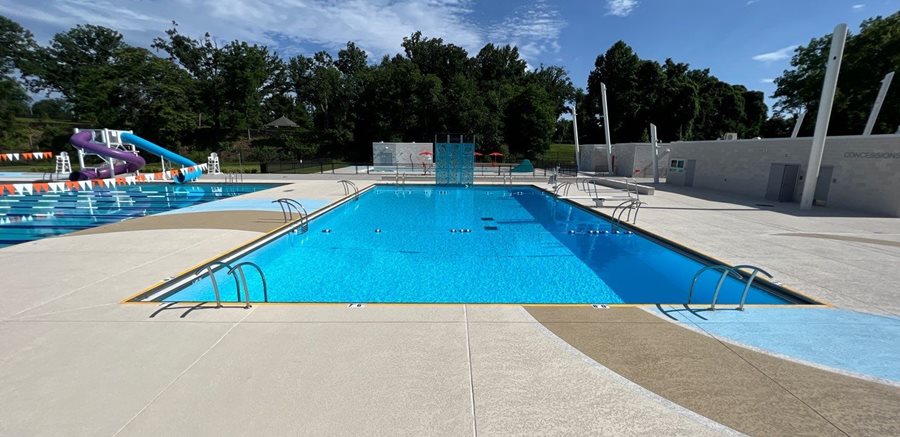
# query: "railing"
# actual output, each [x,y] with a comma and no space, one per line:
[234,178]
[288,206]
[626,206]
[239,268]
[348,187]
[562,189]
[728,271]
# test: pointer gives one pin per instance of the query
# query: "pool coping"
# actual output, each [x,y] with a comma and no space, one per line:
[155,292]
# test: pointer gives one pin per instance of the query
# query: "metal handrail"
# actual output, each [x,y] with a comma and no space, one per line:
[212,277]
[733,271]
[347,186]
[756,270]
[562,189]
[239,267]
[725,272]
[628,205]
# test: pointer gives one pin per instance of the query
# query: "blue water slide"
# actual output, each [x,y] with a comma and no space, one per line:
[169,155]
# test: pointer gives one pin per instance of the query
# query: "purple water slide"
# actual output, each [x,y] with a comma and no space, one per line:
[82,140]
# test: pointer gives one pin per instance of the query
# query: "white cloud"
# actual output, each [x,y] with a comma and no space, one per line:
[298,26]
[378,26]
[767,80]
[778,55]
[750,2]
[620,8]
[859,6]
[534,28]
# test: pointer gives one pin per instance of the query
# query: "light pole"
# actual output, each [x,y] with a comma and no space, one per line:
[609,159]
[575,132]
[655,145]
[826,101]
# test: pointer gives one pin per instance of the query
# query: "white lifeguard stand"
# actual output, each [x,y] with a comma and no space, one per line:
[212,164]
[63,163]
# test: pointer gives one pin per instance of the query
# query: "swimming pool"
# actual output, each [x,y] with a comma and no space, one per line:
[482,244]
[31,217]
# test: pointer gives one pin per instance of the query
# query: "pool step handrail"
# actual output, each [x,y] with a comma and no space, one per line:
[239,268]
[234,178]
[348,186]
[562,189]
[754,272]
[626,206]
[215,284]
[240,280]
[726,271]
[288,206]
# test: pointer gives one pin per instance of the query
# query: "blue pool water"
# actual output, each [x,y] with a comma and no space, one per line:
[519,250]
[26,218]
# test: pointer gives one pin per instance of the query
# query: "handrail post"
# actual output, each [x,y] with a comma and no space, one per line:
[715,297]
[747,289]
[212,277]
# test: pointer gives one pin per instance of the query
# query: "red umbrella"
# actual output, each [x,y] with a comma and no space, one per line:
[425,152]
[495,154]
[478,154]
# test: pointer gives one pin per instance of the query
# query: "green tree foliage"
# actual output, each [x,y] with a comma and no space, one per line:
[685,104]
[868,56]
[16,51]
[56,109]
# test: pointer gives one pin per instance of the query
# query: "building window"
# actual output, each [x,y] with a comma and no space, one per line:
[676,166]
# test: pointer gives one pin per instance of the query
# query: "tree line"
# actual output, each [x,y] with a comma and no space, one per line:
[200,94]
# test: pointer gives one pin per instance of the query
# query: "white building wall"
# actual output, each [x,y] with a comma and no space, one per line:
[866,169]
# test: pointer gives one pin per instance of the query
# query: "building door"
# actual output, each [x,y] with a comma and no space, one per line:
[689,168]
[782,182]
[823,185]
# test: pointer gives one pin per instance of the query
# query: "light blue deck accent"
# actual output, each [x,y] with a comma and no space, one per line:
[858,343]
[247,205]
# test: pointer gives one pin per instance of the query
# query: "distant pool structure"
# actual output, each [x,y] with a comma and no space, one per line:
[478,244]
[29,217]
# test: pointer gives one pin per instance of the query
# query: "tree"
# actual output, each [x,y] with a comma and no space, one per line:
[531,121]
[16,51]
[868,55]
[56,109]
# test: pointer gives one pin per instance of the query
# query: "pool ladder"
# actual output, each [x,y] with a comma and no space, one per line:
[562,189]
[239,268]
[234,178]
[729,271]
[626,206]
[288,206]
[350,186]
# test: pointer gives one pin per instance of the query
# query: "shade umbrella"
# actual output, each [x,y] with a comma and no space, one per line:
[479,154]
[425,152]
[494,156]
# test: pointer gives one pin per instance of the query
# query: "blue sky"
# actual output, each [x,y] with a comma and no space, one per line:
[741,41]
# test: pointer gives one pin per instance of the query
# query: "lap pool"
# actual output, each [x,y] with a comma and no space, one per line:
[29,217]
[482,244]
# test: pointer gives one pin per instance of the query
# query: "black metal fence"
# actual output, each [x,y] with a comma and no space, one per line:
[330,166]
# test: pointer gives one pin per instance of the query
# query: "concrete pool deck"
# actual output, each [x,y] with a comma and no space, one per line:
[75,361]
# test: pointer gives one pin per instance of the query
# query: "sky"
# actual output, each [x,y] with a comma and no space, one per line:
[745,42]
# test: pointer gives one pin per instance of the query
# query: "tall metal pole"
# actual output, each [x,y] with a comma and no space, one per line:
[826,101]
[609,159]
[577,147]
[876,108]
[655,142]
[798,123]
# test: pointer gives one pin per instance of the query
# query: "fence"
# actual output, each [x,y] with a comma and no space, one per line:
[323,166]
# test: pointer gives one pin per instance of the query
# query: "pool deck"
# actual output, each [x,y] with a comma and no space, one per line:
[76,361]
